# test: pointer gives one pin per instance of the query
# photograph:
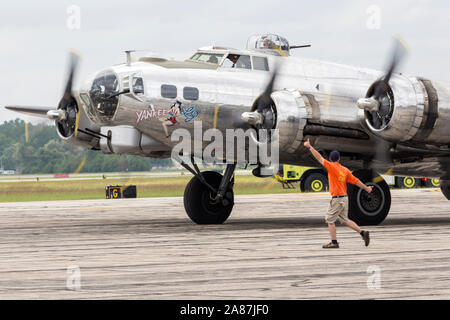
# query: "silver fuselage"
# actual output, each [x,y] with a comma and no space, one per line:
[307,92]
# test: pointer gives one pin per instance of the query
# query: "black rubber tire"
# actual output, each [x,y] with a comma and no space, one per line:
[407,182]
[314,180]
[365,208]
[445,188]
[198,204]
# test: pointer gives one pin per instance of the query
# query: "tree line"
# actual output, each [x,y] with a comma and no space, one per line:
[38,149]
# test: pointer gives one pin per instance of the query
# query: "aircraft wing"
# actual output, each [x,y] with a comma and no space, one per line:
[31,110]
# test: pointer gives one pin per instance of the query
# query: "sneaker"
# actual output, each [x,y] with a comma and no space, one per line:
[366,237]
[331,245]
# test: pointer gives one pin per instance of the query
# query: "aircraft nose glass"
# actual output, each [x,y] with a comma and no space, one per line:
[103,94]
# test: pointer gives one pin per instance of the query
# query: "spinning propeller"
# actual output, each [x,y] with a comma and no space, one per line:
[67,113]
[380,104]
[263,114]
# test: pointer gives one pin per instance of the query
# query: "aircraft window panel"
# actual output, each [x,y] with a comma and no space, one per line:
[87,102]
[190,93]
[260,63]
[244,62]
[208,57]
[168,91]
[268,42]
[237,61]
[213,59]
[228,63]
[195,56]
[138,86]
[104,94]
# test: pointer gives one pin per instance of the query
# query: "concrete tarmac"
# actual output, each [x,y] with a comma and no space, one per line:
[270,248]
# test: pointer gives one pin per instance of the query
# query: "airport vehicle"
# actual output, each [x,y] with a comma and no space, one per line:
[310,179]
[431,182]
[315,179]
[414,182]
[381,122]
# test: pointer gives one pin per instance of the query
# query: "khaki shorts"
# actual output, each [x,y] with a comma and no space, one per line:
[337,210]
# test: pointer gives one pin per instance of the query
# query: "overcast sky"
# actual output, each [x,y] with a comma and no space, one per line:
[36,35]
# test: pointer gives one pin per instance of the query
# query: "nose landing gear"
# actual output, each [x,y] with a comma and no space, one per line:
[209,197]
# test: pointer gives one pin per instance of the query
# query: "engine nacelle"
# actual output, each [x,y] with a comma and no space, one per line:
[83,137]
[291,119]
[410,109]
[401,109]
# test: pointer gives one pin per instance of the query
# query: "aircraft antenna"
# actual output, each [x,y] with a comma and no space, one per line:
[128,53]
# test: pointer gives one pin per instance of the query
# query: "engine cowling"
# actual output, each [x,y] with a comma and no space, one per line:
[291,119]
[410,109]
[286,112]
[83,133]
[400,111]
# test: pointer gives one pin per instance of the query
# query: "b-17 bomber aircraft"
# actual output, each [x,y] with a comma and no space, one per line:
[381,122]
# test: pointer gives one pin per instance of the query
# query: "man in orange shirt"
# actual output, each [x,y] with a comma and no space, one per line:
[338,177]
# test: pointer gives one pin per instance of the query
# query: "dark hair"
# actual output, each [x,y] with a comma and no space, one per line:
[177,102]
[334,156]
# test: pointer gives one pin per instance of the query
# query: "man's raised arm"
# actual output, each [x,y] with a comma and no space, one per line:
[314,152]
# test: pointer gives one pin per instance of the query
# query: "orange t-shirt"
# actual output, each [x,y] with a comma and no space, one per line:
[338,177]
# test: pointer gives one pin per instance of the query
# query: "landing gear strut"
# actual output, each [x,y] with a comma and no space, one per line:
[369,208]
[209,197]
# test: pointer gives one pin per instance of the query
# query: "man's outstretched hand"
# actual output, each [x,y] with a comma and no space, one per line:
[307,144]
[366,188]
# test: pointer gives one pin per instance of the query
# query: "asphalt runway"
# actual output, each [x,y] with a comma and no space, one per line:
[270,248]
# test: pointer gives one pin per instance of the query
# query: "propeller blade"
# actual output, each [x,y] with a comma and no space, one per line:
[74,59]
[382,160]
[77,121]
[398,54]
[400,50]
[375,120]
[265,99]
[67,114]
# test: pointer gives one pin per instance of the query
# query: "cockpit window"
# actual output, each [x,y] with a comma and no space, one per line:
[104,95]
[237,61]
[207,57]
[138,86]
[260,63]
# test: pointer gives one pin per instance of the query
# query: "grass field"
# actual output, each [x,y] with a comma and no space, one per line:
[146,187]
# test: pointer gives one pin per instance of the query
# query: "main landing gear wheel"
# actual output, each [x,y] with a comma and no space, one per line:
[200,201]
[445,188]
[369,208]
